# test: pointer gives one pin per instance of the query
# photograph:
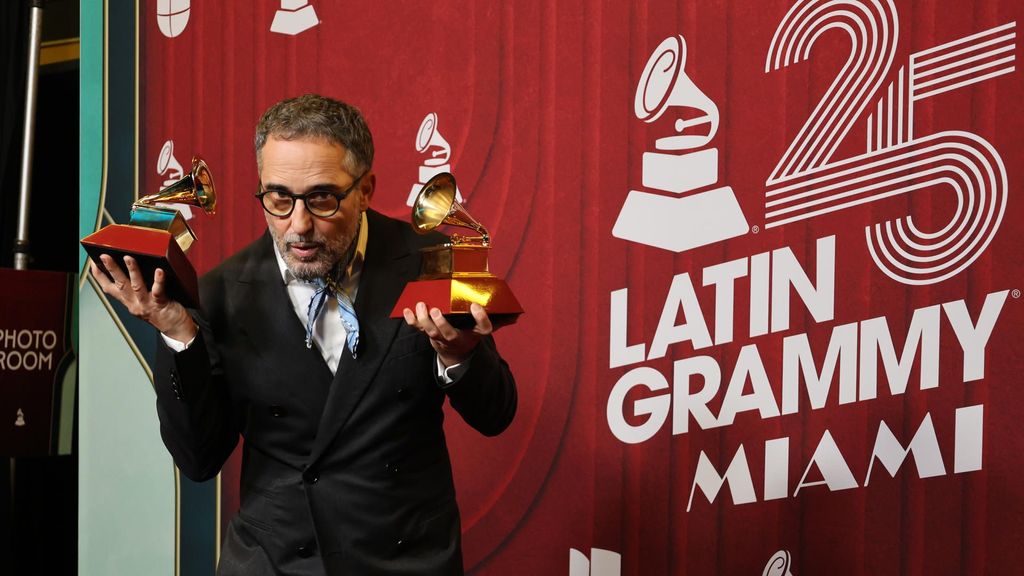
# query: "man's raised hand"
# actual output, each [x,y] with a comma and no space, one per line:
[453,346]
[150,305]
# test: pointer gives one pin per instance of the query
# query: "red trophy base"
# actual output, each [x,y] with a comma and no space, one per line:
[152,249]
[454,295]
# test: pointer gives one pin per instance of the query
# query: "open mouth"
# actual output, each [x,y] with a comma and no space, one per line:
[304,250]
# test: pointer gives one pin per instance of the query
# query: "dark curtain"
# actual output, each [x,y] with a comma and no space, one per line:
[39,500]
[14,18]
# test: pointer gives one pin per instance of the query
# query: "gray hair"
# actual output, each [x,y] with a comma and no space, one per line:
[315,116]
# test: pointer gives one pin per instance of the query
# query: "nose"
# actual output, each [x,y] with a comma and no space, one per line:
[301,221]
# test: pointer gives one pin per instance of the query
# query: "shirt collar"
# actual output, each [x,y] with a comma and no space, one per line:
[355,266]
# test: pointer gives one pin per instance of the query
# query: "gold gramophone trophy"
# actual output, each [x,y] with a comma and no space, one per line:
[157,235]
[455,274]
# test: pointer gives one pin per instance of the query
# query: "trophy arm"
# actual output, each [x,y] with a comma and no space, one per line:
[458,240]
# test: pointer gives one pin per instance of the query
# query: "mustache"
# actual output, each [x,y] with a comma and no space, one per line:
[303,239]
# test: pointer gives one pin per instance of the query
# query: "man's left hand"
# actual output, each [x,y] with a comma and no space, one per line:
[453,346]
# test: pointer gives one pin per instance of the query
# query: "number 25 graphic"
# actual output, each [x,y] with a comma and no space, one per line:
[807,182]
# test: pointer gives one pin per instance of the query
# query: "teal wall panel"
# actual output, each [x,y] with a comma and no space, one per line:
[136,515]
[126,478]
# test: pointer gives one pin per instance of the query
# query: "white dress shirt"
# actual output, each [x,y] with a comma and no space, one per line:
[328,332]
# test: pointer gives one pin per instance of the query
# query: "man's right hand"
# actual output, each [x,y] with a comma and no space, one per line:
[153,306]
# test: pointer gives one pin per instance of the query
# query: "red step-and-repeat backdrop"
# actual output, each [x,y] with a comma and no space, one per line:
[769,253]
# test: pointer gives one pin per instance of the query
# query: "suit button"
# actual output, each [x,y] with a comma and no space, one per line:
[278,411]
[306,550]
[312,477]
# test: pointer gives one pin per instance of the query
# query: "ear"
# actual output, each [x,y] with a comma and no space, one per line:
[367,186]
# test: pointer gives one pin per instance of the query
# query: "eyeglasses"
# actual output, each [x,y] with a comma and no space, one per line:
[319,203]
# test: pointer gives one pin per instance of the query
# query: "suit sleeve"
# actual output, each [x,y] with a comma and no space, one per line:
[198,423]
[485,395]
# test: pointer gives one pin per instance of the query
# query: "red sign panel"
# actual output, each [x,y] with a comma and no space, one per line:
[35,353]
[769,253]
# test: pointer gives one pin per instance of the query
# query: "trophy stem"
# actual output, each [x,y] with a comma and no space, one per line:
[165,219]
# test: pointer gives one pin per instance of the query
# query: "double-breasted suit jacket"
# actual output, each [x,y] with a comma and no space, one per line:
[348,472]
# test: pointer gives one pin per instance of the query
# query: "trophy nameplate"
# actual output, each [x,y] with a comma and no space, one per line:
[158,236]
[456,274]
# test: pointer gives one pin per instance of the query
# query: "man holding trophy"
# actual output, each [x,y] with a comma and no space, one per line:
[345,467]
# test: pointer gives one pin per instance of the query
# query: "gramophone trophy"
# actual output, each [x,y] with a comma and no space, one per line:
[455,274]
[157,236]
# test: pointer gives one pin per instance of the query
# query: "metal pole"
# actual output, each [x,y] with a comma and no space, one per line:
[29,132]
[31,86]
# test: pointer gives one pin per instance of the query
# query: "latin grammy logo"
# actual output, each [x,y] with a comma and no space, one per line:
[169,167]
[430,142]
[19,420]
[666,216]
[172,16]
[778,565]
[294,17]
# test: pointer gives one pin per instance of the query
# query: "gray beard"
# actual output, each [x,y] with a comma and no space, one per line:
[334,253]
[330,253]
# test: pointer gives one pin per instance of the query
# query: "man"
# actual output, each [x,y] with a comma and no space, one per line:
[345,468]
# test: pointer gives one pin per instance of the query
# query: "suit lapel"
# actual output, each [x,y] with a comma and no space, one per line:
[388,266]
[261,290]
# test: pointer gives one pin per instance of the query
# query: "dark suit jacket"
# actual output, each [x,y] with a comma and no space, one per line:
[348,473]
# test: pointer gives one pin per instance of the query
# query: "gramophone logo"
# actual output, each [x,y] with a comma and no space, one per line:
[438,153]
[778,565]
[600,563]
[681,208]
[294,17]
[172,16]
[169,167]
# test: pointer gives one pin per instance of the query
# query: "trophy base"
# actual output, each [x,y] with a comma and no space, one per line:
[680,223]
[453,297]
[152,249]
[167,219]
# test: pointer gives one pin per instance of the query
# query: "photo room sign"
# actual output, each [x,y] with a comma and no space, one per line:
[35,356]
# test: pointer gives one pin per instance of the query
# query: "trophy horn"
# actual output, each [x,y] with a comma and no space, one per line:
[195,189]
[436,205]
